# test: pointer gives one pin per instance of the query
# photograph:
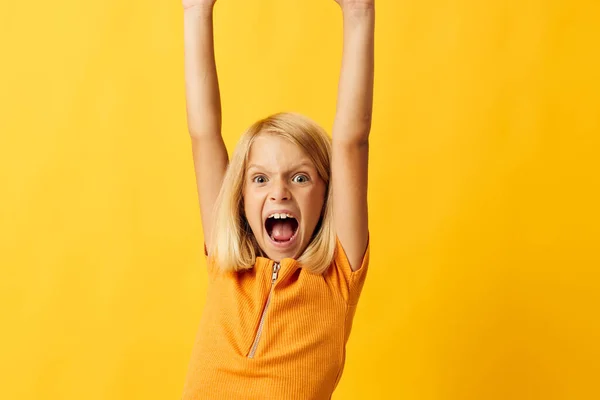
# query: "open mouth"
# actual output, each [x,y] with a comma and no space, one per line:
[281,228]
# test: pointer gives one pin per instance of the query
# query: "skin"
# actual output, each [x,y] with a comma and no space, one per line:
[350,132]
[281,176]
[198,3]
[203,106]
[351,128]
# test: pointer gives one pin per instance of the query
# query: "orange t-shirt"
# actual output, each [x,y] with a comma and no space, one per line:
[299,349]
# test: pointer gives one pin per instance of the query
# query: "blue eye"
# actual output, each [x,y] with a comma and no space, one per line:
[300,178]
[259,179]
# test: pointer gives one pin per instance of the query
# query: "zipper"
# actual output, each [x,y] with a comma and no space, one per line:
[276,268]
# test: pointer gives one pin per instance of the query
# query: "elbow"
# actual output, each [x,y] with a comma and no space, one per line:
[365,124]
[355,127]
[362,123]
[353,132]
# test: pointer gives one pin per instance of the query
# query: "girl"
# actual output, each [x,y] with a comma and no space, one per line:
[286,228]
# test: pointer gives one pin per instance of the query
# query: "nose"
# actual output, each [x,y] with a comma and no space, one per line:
[280,191]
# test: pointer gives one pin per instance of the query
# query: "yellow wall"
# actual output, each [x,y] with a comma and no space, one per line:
[484,192]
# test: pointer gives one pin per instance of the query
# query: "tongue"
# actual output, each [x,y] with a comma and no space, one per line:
[282,230]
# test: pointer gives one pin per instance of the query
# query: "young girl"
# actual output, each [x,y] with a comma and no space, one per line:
[285,223]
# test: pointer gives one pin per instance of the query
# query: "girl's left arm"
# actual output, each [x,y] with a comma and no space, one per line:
[351,129]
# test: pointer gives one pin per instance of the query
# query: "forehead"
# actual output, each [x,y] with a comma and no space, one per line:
[274,152]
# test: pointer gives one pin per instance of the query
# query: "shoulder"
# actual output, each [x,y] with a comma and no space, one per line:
[350,282]
[341,259]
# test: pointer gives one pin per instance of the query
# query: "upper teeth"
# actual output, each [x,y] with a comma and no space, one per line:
[280,216]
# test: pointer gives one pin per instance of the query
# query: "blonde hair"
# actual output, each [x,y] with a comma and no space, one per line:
[233,244]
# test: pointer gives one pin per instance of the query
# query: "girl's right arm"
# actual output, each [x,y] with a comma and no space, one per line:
[203,105]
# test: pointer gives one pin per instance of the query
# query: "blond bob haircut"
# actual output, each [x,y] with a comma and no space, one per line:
[233,245]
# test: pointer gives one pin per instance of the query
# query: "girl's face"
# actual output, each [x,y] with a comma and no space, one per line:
[283,196]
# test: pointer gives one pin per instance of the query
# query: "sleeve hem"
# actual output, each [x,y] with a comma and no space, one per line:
[342,258]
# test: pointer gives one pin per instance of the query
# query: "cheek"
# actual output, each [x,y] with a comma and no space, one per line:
[252,209]
[314,204]
[321,194]
[249,207]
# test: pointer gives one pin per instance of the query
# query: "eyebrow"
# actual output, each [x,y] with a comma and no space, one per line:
[297,166]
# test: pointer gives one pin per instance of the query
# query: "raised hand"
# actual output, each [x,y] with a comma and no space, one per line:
[351,129]
[346,4]
[203,104]
[198,3]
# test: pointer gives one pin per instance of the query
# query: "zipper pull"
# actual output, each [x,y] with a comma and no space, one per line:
[276,267]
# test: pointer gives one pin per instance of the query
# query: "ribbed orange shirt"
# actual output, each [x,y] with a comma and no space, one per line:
[299,349]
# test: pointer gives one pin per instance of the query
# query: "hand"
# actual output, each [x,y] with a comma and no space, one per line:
[346,4]
[198,3]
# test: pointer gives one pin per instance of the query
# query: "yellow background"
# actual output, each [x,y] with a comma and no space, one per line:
[484,192]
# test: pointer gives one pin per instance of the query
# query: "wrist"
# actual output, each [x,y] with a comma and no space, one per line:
[358,7]
[358,16]
[358,13]
[199,10]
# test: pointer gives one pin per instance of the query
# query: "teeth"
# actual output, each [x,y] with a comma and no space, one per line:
[280,216]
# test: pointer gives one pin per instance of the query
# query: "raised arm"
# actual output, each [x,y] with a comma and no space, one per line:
[203,106]
[351,129]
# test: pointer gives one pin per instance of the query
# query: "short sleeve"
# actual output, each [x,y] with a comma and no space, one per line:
[210,262]
[354,279]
